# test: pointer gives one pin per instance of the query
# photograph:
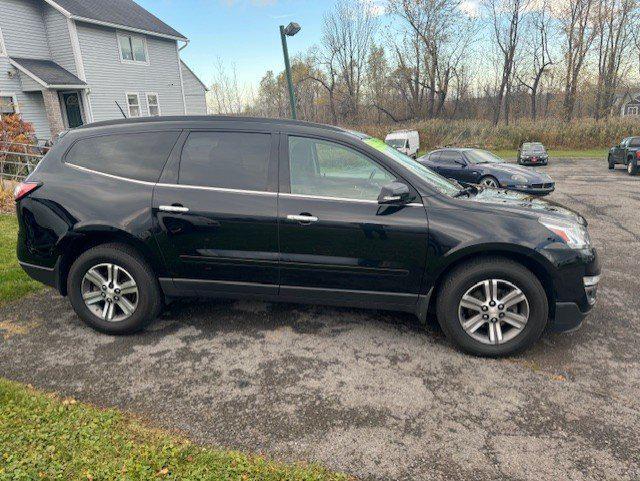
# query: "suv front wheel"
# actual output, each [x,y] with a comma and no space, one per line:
[113,290]
[492,307]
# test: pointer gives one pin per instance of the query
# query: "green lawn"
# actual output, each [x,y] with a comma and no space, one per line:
[43,437]
[14,283]
[560,154]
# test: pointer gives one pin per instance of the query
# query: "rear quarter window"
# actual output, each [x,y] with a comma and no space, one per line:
[137,156]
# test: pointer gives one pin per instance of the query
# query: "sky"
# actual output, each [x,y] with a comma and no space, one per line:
[243,33]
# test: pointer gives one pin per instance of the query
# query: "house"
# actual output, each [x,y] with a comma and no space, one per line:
[64,63]
[627,104]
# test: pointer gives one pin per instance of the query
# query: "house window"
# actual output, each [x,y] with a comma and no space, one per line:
[632,110]
[132,48]
[154,104]
[133,101]
[8,105]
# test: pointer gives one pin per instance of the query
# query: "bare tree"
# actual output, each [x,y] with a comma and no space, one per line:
[505,17]
[539,58]
[615,23]
[226,96]
[347,36]
[441,36]
[576,24]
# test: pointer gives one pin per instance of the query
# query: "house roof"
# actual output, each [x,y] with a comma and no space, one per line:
[47,73]
[125,14]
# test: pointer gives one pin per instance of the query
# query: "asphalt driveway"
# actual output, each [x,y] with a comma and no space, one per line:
[374,394]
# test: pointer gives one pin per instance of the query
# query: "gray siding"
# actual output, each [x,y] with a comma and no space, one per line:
[31,105]
[59,39]
[194,92]
[22,24]
[110,79]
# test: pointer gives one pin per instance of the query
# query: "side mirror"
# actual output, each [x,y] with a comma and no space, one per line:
[461,163]
[394,193]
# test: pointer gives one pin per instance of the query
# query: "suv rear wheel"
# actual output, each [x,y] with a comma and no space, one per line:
[113,290]
[492,307]
[612,164]
[632,167]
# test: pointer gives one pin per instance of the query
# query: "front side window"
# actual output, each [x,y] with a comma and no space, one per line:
[450,157]
[154,105]
[132,48]
[133,101]
[322,168]
[229,160]
[138,156]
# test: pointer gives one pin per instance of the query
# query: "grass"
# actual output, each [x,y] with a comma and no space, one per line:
[44,437]
[560,154]
[14,283]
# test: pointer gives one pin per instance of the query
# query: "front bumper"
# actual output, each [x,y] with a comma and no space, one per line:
[576,291]
[532,189]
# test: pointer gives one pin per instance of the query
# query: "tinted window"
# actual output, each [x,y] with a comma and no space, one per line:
[449,157]
[634,142]
[135,156]
[230,160]
[326,169]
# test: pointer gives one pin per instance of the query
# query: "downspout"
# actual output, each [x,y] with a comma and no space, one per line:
[179,49]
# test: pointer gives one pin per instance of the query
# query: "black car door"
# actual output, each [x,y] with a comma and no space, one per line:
[336,242]
[449,164]
[216,206]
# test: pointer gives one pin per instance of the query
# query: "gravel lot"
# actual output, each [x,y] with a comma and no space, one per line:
[374,394]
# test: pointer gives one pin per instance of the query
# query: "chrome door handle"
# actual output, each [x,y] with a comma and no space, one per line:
[173,208]
[302,218]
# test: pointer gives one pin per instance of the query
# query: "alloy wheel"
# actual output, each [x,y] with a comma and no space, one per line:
[493,311]
[110,292]
[489,182]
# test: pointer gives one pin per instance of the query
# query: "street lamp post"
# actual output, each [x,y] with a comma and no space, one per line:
[289,31]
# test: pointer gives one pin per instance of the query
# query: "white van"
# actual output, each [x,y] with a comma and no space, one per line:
[405,141]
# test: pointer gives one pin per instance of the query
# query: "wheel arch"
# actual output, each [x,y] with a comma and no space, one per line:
[529,260]
[80,241]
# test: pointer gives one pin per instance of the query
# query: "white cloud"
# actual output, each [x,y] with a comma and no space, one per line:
[375,7]
[471,8]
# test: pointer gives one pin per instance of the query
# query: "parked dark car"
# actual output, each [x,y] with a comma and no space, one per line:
[124,216]
[626,153]
[475,166]
[532,153]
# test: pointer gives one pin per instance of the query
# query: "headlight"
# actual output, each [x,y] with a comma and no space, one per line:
[573,234]
[521,179]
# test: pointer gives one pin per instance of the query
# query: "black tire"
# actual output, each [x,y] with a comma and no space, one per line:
[612,165]
[632,167]
[490,177]
[464,277]
[149,302]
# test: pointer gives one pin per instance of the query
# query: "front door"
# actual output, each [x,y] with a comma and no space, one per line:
[218,220]
[72,109]
[336,242]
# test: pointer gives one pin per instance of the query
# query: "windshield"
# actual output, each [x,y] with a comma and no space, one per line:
[482,157]
[533,148]
[436,181]
[396,143]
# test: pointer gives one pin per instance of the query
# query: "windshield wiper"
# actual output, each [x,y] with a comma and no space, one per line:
[471,190]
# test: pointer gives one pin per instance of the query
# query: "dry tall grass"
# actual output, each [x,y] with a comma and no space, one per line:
[554,134]
[7,204]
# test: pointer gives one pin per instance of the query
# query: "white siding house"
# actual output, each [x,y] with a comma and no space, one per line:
[64,63]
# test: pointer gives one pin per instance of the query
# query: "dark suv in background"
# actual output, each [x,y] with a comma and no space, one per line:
[626,153]
[124,216]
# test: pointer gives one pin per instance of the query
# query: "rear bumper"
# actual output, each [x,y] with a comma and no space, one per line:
[530,162]
[47,275]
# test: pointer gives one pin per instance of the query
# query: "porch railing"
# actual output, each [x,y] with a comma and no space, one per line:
[17,161]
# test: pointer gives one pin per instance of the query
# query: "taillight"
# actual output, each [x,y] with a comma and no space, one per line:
[638,154]
[24,189]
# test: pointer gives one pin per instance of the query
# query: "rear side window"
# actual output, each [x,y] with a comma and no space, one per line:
[134,156]
[230,160]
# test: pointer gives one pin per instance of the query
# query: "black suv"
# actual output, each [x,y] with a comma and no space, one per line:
[626,153]
[124,216]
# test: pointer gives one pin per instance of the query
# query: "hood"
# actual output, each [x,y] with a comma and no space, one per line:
[507,170]
[518,203]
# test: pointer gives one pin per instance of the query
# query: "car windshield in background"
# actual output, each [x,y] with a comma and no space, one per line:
[436,181]
[537,148]
[482,157]
[635,142]
[396,143]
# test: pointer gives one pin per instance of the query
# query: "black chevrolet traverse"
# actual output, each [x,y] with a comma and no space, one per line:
[124,216]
